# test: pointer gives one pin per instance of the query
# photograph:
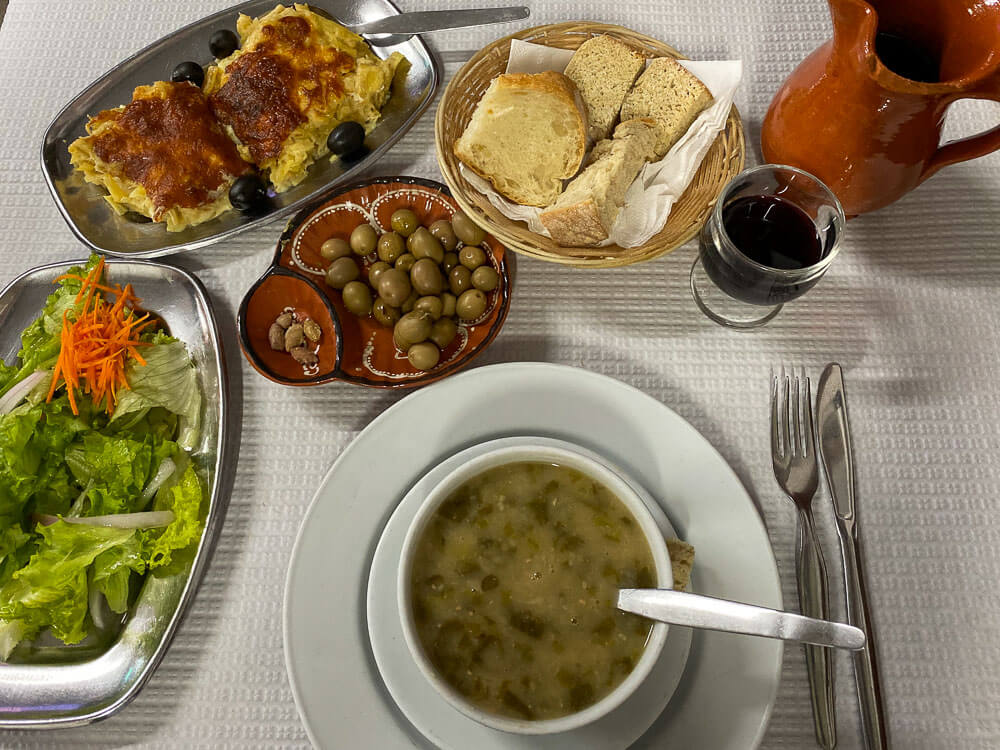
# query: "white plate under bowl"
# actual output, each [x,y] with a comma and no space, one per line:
[729,686]
[428,711]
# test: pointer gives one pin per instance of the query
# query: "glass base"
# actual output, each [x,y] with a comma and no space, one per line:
[723,309]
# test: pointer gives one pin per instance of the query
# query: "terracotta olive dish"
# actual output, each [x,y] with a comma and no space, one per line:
[292,304]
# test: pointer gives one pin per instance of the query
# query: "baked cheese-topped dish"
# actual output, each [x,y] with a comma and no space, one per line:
[163,155]
[296,76]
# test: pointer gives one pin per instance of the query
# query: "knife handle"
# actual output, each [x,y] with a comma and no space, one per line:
[814,602]
[866,671]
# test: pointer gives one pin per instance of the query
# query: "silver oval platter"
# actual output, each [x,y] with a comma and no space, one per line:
[97,225]
[57,685]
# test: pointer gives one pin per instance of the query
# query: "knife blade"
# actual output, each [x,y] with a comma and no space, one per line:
[838,465]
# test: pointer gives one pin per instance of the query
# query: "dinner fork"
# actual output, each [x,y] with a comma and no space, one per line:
[793,454]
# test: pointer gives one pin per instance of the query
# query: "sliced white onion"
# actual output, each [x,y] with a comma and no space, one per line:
[166,470]
[150,519]
[17,394]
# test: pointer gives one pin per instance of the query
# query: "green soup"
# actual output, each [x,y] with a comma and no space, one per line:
[514,585]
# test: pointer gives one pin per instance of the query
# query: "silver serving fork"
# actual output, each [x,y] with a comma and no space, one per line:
[793,454]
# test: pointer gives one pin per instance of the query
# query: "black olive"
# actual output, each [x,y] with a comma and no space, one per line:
[248,193]
[188,71]
[223,43]
[346,139]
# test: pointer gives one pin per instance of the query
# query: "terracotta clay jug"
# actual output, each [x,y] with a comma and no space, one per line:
[868,132]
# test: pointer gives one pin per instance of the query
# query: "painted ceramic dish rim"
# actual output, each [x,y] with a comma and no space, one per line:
[337,374]
[625,494]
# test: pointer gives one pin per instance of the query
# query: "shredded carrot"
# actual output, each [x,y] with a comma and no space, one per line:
[97,342]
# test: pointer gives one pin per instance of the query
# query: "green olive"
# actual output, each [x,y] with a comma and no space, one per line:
[423,245]
[448,304]
[466,229]
[443,332]
[449,262]
[442,231]
[411,329]
[375,270]
[430,305]
[404,221]
[390,247]
[334,248]
[472,257]
[357,298]
[384,313]
[363,239]
[394,286]
[423,356]
[485,279]
[459,280]
[426,277]
[342,271]
[405,262]
[410,302]
[471,304]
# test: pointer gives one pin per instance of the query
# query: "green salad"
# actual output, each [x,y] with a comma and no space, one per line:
[98,418]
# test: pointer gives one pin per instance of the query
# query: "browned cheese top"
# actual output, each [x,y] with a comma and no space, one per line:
[167,140]
[271,89]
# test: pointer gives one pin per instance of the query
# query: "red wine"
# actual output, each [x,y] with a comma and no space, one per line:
[772,232]
[907,58]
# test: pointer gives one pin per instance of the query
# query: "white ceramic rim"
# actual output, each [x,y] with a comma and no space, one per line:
[628,497]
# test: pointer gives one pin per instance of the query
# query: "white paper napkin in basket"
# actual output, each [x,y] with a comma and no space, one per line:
[659,184]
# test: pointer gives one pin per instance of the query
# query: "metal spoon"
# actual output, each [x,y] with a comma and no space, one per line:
[397,29]
[709,613]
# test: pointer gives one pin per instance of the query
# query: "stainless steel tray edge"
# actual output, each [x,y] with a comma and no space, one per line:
[54,163]
[40,683]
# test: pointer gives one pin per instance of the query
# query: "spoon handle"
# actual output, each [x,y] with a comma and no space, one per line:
[709,613]
[423,21]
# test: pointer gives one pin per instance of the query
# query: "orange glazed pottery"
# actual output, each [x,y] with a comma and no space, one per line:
[864,112]
[352,349]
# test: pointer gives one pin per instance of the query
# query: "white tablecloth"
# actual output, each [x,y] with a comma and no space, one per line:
[909,308]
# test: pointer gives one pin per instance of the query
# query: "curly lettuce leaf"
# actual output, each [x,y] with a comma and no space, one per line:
[115,468]
[51,590]
[112,571]
[168,380]
[184,498]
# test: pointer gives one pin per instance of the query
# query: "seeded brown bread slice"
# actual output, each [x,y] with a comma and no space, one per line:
[682,560]
[586,211]
[527,135]
[604,70]
[671,95]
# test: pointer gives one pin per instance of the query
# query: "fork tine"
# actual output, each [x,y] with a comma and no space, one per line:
[786,414]
[796,418]
[775,444]
[809,436]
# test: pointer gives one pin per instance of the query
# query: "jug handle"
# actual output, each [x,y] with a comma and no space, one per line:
[968,148]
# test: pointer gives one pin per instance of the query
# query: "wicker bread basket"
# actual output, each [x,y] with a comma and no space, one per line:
[723,161]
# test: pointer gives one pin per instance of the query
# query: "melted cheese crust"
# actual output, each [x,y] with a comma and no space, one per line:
[163,156]
[296,76]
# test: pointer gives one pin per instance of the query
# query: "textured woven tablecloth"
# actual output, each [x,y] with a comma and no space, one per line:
[909,308]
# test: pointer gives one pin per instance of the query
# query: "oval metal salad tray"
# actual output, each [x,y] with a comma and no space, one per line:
[58,685]
[98,226]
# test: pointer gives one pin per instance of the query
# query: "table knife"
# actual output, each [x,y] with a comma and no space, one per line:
[838,465]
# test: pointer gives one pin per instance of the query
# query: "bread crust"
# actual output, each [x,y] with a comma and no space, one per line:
[576,225]
[551,84]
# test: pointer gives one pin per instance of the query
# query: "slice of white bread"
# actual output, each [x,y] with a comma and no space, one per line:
[604,70]
[527,135]
[671,95]
[681,560]
[586,211]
